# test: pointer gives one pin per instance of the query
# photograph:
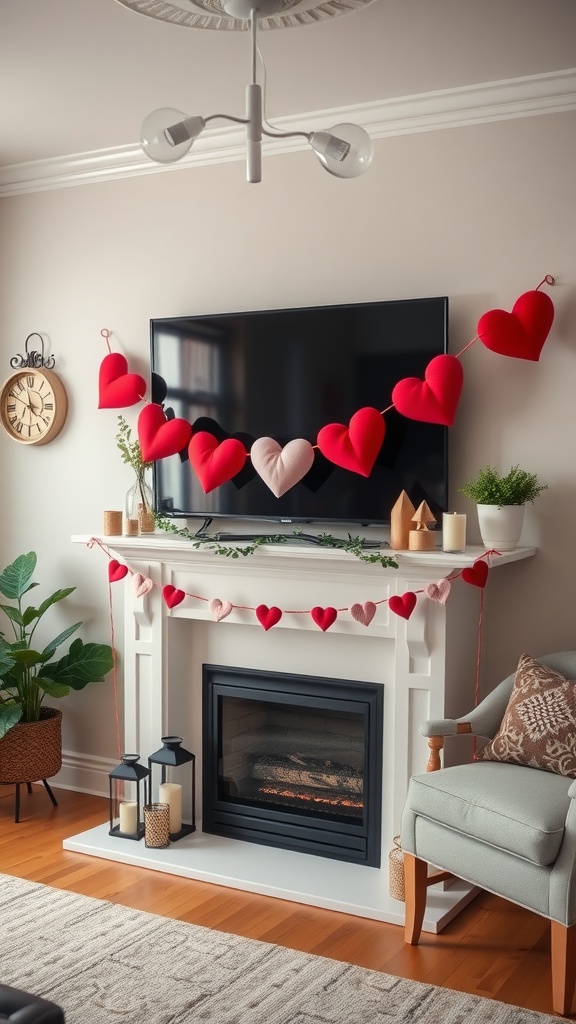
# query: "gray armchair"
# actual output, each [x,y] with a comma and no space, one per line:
[504,827]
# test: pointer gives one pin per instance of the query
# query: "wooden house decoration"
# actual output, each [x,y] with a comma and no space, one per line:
[401,523]
[421,538]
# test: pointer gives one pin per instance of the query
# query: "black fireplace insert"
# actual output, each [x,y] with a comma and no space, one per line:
[293,761]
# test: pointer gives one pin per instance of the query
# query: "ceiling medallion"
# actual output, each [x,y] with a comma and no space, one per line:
[212,14]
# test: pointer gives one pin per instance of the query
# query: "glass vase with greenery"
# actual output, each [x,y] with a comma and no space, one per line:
[139,499]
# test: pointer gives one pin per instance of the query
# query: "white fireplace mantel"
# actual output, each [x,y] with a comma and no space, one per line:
[426,664]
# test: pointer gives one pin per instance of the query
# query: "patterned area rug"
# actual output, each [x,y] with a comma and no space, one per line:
[101,962]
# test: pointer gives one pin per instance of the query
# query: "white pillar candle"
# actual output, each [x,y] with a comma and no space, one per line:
[128,819]
[453,531]
[171,793]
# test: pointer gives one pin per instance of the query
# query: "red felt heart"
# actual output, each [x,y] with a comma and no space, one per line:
[116,387]
[522,332]
[268,617]
[477,575]
[403,605]
[435,399]
[160,437]
[356,446]
[116,571]
[215,463]
[324,617]
[172,595]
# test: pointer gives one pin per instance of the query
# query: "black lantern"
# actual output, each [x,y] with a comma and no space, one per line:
[173,759]
[126,801]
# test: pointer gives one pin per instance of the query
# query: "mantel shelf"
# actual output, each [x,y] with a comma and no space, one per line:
[169,548]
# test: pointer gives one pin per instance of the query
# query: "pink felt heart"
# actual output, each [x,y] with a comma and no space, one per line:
[477,575]
[356,446]
[213,462]
[268,617]
[159,438]
[324,617]
[438,591]
[220,609]
[142,584]
[281,468]
[116,387]
[435,399]
[172,596]
[404,605]
[116,571]
[363,613]
[522,332]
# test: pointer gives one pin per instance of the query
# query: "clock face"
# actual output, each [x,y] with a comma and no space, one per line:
[33,406]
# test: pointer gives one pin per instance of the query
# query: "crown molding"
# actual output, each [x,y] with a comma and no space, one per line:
[549,93]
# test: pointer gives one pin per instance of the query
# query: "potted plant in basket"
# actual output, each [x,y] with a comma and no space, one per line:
[500,500]
[30,732]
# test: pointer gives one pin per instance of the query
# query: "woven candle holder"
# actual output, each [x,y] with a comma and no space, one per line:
[157,825]
[112,524]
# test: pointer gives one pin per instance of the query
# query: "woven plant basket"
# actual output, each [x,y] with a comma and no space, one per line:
[396,871]
[31,751]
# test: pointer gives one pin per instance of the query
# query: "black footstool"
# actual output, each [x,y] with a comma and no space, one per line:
[22,1008]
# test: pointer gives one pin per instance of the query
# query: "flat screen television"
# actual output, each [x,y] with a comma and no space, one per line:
[285,374]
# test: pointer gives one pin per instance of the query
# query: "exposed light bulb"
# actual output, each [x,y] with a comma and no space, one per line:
[167,134]
[345,150]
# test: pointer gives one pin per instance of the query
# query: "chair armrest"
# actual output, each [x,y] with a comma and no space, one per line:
[572,790]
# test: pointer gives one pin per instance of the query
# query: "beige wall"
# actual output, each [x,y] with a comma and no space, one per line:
[480,214]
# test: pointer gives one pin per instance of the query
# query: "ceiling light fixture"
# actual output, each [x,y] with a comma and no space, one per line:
[344,150]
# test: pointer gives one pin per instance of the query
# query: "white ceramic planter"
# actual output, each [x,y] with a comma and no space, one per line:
[500,528]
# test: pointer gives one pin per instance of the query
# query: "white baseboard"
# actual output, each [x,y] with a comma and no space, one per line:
[84,773]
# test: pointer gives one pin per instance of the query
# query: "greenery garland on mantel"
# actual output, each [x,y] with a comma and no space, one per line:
[352,545]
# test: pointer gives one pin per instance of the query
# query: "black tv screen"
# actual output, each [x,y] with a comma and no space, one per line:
[285,374]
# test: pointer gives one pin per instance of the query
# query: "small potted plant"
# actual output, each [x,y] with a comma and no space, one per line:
[500,500]
[30,733]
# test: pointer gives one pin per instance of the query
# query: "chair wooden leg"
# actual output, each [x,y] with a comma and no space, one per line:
[563,951]
[416,888]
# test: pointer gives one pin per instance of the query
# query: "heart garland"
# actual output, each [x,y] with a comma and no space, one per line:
[438,591]
[116,571]
[403,605]
[521,333]
[142,584]
[220,609]
[116,387]
[356,446]
[214,462]
[160,437]
[324,617]
[172,596]
[435,399]
[477,575]
[281,468]
[268,617]
[363,613]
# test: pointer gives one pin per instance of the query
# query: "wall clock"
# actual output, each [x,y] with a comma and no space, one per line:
[33,401]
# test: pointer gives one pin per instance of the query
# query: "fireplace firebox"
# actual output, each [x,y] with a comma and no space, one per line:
[293,761]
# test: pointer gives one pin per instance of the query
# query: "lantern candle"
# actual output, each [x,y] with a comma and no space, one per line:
[128,820]
[171,793]
[453,532]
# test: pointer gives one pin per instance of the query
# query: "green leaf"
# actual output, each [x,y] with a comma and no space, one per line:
[15,578]
[51,688]
[54,644]
[12,613]
[26,658]
[6,660]
[84,663]
[58,595]
[10,714]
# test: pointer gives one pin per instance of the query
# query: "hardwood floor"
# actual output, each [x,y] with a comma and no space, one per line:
[492,949]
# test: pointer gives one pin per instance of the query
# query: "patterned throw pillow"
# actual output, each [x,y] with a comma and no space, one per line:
[539,725]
